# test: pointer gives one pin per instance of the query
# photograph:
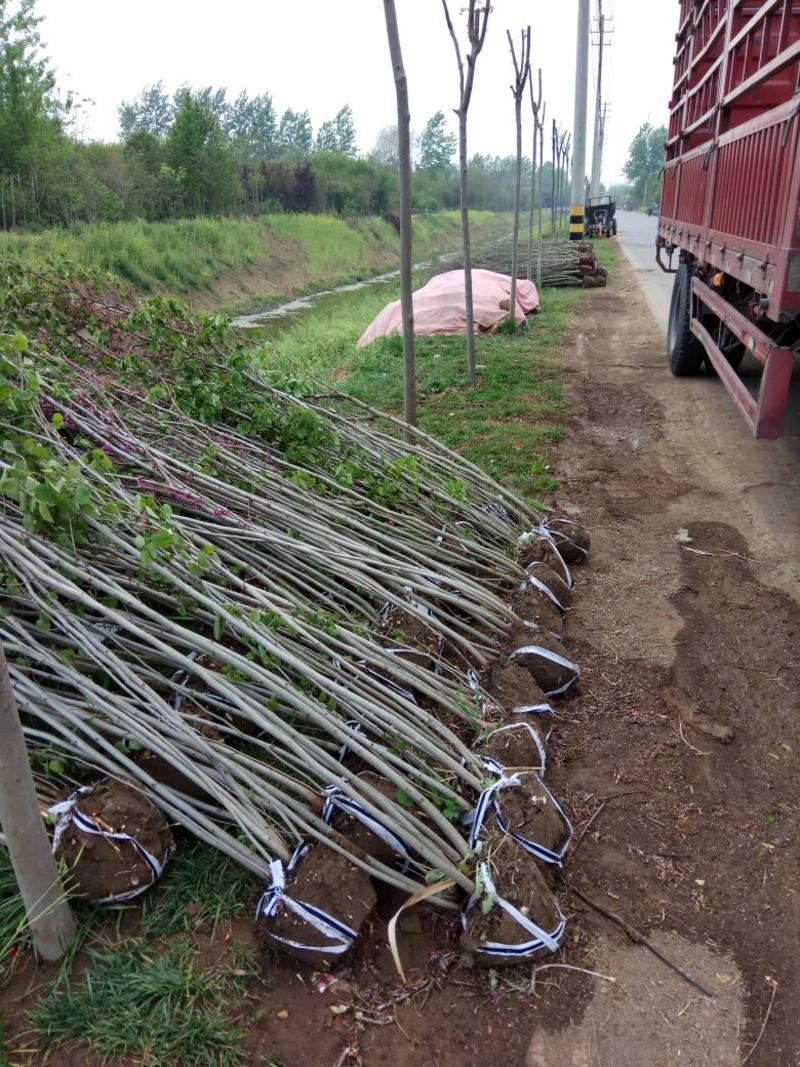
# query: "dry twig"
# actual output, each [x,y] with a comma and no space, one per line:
[639,938]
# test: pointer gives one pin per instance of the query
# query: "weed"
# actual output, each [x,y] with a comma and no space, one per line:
[199,886]
[183,256]
[156,1007]
[13,928]
[504,424]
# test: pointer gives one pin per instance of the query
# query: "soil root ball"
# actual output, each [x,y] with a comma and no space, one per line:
[572,541]
[516,917]
[365,832]
[518,746]
[547,660]
[527,809]
[537,611]
[537,547]
[314,909]
[113,841]
[543,574]
[517,693]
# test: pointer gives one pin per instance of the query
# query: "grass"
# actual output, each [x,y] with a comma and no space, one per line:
[274,256]
[506,424]
[13,928]
[200,886]
[156,1006]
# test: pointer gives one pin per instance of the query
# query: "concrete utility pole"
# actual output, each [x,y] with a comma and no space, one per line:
[49,917]
[600,108]
[576,220]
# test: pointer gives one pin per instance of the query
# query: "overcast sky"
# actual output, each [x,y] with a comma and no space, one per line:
[321,54]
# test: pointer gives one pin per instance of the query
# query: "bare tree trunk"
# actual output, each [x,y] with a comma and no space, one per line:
[532,205]
[541,200]
[535,105]
[469,309]
[51,923]
[404,155]
[477,23]
[554,182]
[522,70]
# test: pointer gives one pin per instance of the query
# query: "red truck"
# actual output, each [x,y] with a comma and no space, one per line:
[730,209]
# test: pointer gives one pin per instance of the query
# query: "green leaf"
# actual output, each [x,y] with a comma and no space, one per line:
[219,627]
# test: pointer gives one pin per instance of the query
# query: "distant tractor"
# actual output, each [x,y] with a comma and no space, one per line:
[601,216]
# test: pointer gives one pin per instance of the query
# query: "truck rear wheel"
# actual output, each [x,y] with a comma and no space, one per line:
[684,351]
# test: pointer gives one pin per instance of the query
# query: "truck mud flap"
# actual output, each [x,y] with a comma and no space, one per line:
[765,414]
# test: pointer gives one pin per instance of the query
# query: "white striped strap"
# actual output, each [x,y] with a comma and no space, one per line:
[339,935]
[534,736]
[66,813]
[541,939]
[553,657]
[336,798]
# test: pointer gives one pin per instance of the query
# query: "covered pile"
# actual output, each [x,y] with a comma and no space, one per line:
[281,624]
[439,306]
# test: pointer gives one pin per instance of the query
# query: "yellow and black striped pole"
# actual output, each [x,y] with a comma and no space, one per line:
[576,224]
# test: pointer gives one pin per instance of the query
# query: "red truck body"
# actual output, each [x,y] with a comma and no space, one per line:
[731,198]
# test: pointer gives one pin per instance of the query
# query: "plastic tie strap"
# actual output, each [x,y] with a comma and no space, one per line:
[489,800]
[554,657]
[339,934]
[542,941]
[338,799]
[536,740]
[66,812]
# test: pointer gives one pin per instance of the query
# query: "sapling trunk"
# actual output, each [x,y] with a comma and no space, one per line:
[477,23]
[49,916]
[522,69]
[404,154]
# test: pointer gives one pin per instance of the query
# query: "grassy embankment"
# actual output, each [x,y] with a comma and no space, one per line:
[507,424]
[239,263]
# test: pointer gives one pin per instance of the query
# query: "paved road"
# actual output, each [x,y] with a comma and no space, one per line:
[637,234]
[764,475]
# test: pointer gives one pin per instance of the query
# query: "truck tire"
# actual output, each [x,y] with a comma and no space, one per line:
[684,351]
[613,227]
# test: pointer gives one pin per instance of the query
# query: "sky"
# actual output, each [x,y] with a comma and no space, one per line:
[319,55]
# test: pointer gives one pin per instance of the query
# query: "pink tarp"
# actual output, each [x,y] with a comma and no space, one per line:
[439,305]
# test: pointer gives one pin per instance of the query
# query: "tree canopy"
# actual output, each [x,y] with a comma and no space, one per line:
[646,161]
[436,145]
[199,150]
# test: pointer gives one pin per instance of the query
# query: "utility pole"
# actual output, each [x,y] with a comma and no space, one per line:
[600,108]
[576,220]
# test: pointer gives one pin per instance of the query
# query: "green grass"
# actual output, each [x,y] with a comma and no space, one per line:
[285,254]
[13,928]
[506,424]
[200,886]
[153,1005]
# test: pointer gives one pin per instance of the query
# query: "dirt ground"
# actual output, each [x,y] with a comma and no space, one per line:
[682,742]
[677,759]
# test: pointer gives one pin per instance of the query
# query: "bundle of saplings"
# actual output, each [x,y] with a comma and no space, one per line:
[564,263]
[270,621]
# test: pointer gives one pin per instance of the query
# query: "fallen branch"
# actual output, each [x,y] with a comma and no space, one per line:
[640,939]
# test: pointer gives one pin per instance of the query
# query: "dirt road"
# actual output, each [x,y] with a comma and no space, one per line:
[686,728]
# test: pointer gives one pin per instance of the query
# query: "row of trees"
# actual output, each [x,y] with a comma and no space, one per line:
[199,152]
